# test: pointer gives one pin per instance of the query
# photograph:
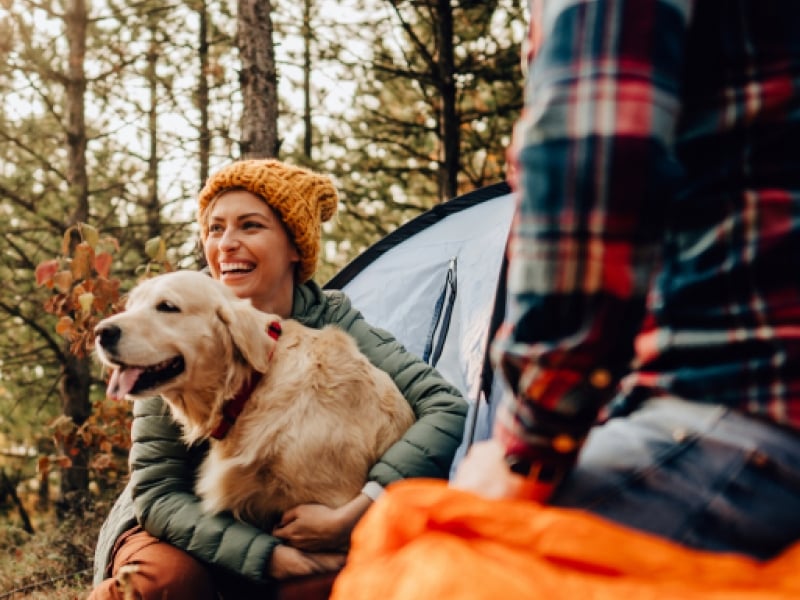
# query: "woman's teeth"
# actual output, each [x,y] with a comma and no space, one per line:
[235,268]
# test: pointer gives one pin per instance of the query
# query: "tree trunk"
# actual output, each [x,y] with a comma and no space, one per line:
[451,133]
[75,395]
[153,206]
[75,377]
[77,180]
[308,135]
[258,80]
[202,94]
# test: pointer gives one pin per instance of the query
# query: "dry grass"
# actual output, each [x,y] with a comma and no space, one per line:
[54,563]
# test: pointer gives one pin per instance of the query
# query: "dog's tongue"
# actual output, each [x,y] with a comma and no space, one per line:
[122,382]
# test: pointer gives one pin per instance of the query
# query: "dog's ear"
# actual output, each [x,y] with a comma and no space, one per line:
[250,331]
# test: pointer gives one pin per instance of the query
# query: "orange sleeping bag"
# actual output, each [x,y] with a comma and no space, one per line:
[423,540]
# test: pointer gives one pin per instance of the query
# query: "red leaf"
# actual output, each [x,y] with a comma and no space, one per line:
[102,264]
[45,271]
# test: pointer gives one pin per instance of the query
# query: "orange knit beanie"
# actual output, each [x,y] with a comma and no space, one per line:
[303,200]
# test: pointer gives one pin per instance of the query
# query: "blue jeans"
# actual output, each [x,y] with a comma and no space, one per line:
[702,475]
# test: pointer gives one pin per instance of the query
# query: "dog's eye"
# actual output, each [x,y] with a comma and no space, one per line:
[167,306]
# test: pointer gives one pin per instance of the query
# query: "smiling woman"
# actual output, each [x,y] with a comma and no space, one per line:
[301,199]
[261,222]
[249,250]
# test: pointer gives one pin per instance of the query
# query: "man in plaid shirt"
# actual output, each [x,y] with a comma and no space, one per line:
[655,272]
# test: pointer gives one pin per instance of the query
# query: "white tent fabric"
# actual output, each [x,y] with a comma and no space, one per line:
[457,247]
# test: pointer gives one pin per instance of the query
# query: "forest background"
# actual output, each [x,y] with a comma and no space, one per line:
[112,115]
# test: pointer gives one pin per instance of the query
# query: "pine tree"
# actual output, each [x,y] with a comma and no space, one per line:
[436,94]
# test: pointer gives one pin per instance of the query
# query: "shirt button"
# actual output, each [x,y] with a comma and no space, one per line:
[564,443]
[759,459]
[600,379]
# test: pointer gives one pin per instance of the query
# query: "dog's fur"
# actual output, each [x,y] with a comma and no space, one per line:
[320,417]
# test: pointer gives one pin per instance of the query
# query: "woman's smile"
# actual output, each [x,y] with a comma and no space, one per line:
[235,268]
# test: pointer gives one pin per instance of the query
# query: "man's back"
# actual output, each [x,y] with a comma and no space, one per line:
[724,321]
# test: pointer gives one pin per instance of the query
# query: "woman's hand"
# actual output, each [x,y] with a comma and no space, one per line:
[290,562]
[319,528]
[484,471]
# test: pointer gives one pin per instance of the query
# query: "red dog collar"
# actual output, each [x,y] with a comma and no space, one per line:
[234,407]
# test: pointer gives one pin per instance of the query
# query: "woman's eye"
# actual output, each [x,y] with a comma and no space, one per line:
[214,228]
[252,225]
[167,306]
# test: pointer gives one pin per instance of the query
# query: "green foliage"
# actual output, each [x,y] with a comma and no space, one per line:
[390,151]
[36,204]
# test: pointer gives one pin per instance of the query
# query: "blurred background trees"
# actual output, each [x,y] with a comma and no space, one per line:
[113,113]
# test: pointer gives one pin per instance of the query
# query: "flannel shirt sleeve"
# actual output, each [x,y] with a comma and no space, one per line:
[593,167]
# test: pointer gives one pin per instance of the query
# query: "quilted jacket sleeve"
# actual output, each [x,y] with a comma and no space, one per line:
[162,478]
[428,447]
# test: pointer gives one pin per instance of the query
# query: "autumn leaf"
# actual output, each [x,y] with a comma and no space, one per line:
[106,293]
[102,263]
[156,249]
[82,261]
[86,300]
[62,423]
[45,272]
[64,325]
[79,349]
[63,281]
[90,234]
[66,241]
[102,462]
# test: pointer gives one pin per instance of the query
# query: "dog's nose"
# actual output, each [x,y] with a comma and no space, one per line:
[107,335]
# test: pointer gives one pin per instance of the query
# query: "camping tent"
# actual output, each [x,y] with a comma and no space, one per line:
[432,283]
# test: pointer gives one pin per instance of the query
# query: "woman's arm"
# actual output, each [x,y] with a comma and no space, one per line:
[428,447]
[163,474]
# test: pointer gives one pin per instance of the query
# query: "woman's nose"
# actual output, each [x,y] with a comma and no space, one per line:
[229,239]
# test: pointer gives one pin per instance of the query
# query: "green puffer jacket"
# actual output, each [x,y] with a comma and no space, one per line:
[160,493]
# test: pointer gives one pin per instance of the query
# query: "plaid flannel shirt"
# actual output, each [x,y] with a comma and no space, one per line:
[657,165]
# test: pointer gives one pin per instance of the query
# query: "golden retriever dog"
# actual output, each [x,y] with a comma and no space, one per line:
[299,414]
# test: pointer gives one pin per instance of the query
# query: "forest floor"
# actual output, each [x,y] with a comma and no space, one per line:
[55,562]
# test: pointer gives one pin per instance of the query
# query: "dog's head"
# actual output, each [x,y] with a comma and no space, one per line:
[187,337]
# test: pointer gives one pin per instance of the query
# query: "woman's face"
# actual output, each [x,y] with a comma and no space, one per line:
[249,250]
